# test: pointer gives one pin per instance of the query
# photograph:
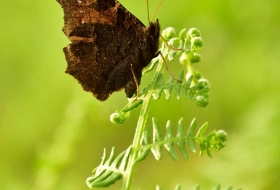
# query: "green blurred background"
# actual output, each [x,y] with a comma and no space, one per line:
[53,133]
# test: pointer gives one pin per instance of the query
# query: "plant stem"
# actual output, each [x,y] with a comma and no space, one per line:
[136,142]
[190,70]
[128,176]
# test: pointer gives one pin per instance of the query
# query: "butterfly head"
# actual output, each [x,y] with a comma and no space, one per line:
[154,32]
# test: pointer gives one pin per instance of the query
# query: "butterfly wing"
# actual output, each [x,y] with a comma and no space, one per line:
[107,42]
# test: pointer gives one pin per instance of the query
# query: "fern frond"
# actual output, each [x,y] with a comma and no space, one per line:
[181,140]
[214,140]
[197,92]
[194,88]
[170,145]
[110,170]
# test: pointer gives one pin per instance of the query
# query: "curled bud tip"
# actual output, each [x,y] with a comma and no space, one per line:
[197,43]
[221,134]
[119,117]
[202,101]
[195,58]
[194,32]
[168,33]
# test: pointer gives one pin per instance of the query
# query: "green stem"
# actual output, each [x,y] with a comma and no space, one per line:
[128,176]
[190,69]
[136,142]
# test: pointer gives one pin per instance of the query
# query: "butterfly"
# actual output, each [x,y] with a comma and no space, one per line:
[110,46]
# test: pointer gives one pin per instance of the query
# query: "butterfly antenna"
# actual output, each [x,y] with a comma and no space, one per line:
[157,9]
[136,82]
[148,10]
[178,80]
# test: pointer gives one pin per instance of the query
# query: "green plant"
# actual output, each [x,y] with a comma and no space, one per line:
[195,88]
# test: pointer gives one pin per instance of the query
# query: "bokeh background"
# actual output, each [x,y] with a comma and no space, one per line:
[52,133]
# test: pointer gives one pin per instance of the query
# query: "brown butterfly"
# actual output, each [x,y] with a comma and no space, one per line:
[110,46]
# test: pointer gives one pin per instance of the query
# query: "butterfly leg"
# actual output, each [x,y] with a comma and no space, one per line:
[166,43]
[166,66]
[136,82]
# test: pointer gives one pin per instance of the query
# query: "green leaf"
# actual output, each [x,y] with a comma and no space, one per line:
[218,187]
[157,137]
[170,145]
[108,178]
[158,86]
[124,160]
[178,187]
[151,66]
[208,147]
[145,140]
[158,187]
[182,34]
[189,81]
[230,188]
[181,143]
[186,87]
[201,131]
[168,88]
[178,84]
[104,177]
[191,136]
[171,55]
[203,91]
[111,157]
[202,147]
[201,139]
[107,173]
